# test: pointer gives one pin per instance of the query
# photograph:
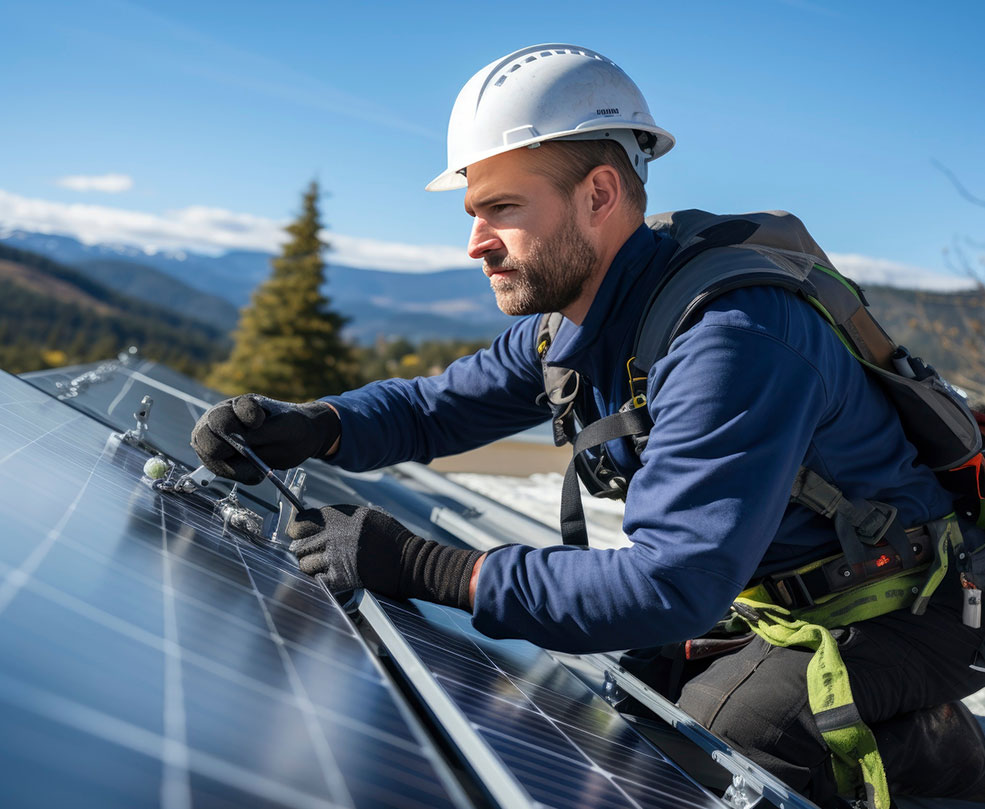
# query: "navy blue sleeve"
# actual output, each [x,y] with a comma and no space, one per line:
[734,409]
[477,399]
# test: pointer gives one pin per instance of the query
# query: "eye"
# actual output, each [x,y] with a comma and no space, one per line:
[502,206]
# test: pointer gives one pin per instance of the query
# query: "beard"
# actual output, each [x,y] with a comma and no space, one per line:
[551,278]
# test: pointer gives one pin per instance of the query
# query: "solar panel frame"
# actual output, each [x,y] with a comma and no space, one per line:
[750,775]
[532,732]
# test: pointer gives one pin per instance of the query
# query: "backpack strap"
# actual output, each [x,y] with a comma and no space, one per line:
[561,385]
[618,425]
[859,524]
[772,248]
[778,251]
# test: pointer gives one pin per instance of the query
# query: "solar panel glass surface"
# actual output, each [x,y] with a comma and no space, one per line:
[112,391]
[152,658]
[563,744]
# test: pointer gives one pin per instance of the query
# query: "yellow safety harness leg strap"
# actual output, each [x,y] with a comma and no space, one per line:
[855,756]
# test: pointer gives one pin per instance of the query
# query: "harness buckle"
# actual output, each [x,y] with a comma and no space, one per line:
[789,590]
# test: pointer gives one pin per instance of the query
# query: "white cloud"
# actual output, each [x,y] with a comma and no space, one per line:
[210,230]
[107,183]
[880,271]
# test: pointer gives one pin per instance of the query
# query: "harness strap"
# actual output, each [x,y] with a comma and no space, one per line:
[618,425]
[858,523]
[561,385]
[855,755]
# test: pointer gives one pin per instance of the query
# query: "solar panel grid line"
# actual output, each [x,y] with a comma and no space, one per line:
[140,740]
[170,746]
[398,740]
[525,736]
[609,755]
[16,578]
[23,447]
[195,413]
[568,753]
[175,786]
[334,778]
[521,749]
[94,614]
[605,754]
[163,387]
[124,390]
[556,783]
[498,781]
[413,764]
[168,647]
[303,585]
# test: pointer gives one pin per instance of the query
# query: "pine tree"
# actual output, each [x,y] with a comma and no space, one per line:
[288,344]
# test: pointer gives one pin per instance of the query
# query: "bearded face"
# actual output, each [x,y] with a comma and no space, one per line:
[549,278]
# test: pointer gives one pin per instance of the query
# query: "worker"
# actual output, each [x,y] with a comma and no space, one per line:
[552,144]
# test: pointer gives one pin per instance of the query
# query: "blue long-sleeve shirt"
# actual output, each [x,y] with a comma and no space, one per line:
[758,387]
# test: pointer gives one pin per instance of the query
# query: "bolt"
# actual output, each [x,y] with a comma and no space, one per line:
[845,571]
[914,590]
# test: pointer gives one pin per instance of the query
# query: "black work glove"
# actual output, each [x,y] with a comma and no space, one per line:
[281,433]
[354,546]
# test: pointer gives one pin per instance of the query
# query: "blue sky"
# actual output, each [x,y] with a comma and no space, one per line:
[215,115]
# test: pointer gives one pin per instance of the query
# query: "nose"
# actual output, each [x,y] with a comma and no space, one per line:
[483,239]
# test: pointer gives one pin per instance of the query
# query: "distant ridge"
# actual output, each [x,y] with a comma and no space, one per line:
[448,304]
[51,314]
[944,327]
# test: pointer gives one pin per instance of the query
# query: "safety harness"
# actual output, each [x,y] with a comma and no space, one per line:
[882,567]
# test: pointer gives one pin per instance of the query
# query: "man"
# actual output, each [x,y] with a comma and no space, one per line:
[552,143]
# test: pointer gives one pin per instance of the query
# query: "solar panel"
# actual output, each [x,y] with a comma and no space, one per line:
[153,657]
[112,391]
[530,728]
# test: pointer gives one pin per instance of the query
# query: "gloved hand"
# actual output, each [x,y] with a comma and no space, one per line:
[355,546]
[281,433]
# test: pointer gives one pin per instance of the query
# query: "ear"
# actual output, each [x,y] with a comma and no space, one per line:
[605,190]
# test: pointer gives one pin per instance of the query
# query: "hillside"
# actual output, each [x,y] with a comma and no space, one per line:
[946,329]
[144,283]
[51,315]
[450,304]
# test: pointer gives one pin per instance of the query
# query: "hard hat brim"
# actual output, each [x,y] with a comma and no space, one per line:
[453,177]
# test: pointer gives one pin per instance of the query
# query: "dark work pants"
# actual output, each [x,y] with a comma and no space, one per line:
[756,698]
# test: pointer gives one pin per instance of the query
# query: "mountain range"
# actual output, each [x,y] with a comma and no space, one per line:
[946,328]
[419,306]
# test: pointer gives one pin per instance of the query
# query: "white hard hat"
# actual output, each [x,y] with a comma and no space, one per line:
[548,92]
